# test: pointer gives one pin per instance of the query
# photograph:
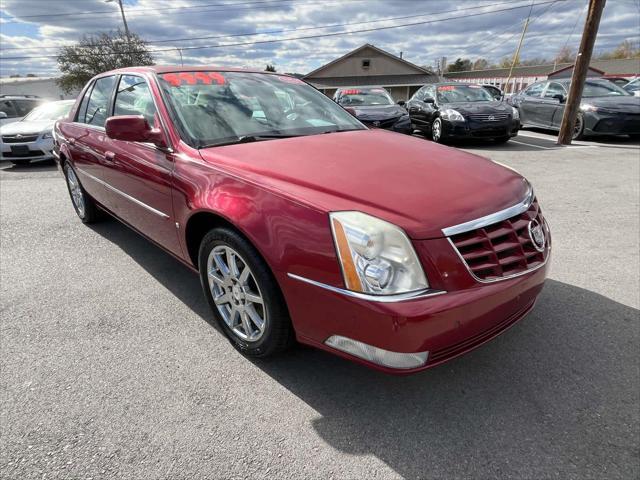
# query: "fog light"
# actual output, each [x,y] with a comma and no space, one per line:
[377,355]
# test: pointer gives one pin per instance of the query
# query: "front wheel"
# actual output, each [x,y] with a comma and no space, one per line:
[243,294]
[437,134]
[83,204]
[578,128]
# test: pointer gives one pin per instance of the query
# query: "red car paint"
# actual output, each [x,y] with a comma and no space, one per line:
[279,194]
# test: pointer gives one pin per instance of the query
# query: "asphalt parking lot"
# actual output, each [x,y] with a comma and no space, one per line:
[111,369]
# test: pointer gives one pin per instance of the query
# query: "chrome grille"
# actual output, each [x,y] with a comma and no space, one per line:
[504,248]
[488,117]
[19,138]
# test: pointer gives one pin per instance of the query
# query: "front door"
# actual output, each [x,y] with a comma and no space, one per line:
[139,175]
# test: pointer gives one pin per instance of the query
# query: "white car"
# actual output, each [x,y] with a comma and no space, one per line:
[14,107]
[30,139]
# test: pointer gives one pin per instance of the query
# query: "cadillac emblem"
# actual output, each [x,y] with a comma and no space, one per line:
[536,233]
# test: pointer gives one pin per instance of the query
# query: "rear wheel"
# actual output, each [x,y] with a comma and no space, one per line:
[83,204]
[437,134]
[243,294]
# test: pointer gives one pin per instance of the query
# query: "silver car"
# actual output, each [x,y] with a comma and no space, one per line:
[30,139]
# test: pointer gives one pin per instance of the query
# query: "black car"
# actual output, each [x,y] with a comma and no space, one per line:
[449,111]
[605,109]
[374,107]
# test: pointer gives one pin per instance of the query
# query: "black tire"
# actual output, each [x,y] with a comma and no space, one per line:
[21,163]
[87,210]
[634,136]
[278,333]
[500,140]
[578,129]
[437,133]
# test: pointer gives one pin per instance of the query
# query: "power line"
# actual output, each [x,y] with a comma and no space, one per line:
[135,12]
[212,37]
[307,37]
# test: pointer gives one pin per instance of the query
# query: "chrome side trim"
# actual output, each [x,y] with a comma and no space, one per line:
[398,297]
[491,218]
[125,195]
[499,279]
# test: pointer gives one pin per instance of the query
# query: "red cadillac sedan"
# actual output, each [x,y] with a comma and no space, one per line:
[303,223]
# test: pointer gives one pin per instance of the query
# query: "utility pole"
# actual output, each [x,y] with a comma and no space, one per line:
[124,19]
[516,57]
[580,71]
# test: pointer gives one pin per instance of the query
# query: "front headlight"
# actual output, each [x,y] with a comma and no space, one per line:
[48,134]
[451,114]
[376,256]
[515,113]
[585,107]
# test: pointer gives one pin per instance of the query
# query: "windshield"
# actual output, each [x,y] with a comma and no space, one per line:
[463,93]
[365,97]
[601,88]
[215,108]
[49,111]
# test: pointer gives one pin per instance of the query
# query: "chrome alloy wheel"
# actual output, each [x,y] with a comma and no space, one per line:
[436,130]
[577,127]
[77,197]
[236,293]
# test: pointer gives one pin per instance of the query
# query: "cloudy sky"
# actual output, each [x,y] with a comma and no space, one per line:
[30,30]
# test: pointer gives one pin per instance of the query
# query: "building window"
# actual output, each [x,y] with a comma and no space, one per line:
[366,63]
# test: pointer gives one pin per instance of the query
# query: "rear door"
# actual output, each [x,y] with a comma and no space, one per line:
[421,113]
[86,137]
[138,174]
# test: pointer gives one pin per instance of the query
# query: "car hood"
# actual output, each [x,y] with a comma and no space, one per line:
[379,112]
[26,128]
[479,107]
[621,103]
[420,186]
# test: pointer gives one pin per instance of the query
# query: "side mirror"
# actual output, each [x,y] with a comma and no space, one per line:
[402,103]
[560,97]
[429,100]
[351,111]
[3,115]
[133,128]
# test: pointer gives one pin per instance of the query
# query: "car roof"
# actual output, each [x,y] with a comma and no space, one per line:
[21,97]
[160,69]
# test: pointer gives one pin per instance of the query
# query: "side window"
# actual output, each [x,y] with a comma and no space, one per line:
[554,88]
[98,104]
[535,90]
[419,95]
[24,106]
[82,110]
[134,98]
[430,92]
[7,107]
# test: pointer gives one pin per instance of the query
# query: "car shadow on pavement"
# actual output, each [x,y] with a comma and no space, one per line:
[44,166]
[555,396]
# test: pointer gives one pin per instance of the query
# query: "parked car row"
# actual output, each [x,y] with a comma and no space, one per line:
[302,222]
[446,112]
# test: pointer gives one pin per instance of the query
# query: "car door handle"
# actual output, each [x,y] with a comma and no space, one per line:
[109,156]
[72,141]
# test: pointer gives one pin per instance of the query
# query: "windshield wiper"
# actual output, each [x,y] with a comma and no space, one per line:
[249,139]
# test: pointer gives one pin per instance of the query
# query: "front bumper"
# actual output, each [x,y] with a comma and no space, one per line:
[612,123]
[445,325]
[40,149]
[479,130]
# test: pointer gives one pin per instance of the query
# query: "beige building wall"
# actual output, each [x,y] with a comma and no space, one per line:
[353,66]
